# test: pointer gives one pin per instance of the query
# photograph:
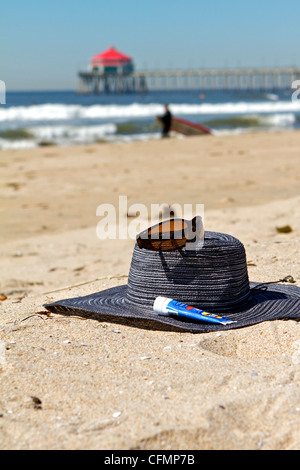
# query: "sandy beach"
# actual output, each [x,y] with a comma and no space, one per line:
[69,382]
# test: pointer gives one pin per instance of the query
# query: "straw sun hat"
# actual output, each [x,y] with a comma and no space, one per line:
[213,278]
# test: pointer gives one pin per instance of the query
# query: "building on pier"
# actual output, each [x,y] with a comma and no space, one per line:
[111,71]
[112,61]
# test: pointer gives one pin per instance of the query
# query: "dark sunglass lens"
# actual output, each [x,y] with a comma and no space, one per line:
[165,236]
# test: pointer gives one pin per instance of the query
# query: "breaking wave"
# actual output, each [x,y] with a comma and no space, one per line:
[54,123]
[63,112]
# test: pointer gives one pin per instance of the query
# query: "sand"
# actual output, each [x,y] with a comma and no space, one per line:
[99,385]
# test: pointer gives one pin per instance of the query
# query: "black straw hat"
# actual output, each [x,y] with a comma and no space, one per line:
[213,278]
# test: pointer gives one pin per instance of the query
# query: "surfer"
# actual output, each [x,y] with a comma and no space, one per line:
[166,120]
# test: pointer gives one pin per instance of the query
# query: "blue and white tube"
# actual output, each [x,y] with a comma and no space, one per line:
[169,307]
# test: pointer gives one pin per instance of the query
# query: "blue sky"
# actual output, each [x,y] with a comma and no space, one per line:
[43,44]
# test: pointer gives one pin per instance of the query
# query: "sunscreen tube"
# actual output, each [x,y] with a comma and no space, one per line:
[169,307]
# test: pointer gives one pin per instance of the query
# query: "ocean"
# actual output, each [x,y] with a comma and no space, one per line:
[31,119]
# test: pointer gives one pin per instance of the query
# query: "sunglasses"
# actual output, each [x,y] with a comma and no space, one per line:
[170,234]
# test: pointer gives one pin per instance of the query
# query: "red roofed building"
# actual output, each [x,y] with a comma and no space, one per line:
[112,61]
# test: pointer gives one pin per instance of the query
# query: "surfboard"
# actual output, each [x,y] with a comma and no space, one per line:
[185,127]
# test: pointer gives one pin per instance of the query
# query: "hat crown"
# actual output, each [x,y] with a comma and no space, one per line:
[213,278]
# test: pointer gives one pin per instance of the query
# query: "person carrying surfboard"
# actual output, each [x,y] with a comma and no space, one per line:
[165,120]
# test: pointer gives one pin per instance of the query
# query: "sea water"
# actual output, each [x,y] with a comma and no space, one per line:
[30,119]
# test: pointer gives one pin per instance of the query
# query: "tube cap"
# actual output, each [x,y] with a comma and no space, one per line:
[160,304]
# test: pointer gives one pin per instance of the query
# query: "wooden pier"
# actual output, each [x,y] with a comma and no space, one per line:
[95,82]
[250,79]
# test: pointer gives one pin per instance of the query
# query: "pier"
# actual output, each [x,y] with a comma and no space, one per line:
[247,79]
[97,82]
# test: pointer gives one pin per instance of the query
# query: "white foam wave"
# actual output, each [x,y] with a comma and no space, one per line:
[272,96]
[80,133]
[284,119]
[6,144]
[62,112]
[239,108]
[68,135]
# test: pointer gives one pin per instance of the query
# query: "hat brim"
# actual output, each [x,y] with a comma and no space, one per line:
[278,302]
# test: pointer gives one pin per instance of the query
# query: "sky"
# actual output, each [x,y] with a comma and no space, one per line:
[44,44]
